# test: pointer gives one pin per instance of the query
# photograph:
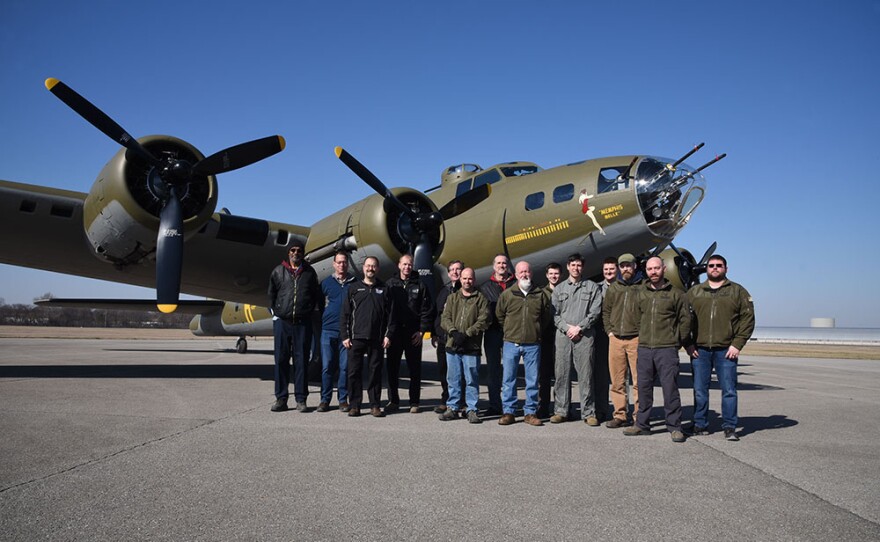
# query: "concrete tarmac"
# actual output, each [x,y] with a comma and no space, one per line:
[174,440]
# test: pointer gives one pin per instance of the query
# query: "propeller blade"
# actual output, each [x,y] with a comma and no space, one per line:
[169,254]
[372,181]
[465,202]
[97,118]
[239,156]
[708,254]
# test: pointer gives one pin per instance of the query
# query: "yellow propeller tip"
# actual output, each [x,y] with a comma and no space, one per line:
[338,151]
[167,309]
[51,82]
[281,142]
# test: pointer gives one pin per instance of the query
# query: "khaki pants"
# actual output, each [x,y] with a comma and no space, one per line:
[623,353]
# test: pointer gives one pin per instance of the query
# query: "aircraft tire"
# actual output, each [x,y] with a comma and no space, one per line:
[241,346]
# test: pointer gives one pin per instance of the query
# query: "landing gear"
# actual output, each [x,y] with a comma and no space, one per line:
[241,345]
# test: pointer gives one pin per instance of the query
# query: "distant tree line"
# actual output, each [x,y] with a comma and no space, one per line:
[20,314]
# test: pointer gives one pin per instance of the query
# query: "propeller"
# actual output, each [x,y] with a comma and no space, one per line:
[170,176]
[418,226]
[690,270]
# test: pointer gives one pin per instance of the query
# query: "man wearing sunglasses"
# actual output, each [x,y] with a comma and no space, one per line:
[293,295]
[724,318]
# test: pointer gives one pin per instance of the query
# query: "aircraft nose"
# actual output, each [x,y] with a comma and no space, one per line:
[668,194]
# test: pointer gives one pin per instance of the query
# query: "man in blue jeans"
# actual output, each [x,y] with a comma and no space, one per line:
[464,319]
[523,311]
[724,321]
[334,357]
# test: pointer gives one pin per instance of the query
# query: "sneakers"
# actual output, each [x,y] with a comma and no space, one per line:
[592,421]
[449,414]
[678,436]
[440,409]
[391,408]
[698,431]
[506,419]
[531,419]
[557,418]
[323,407]
[472,417]
[280,405]
[635,431]
[615,423]
[414,409]
[376,412]
[301,407]
[354,412]
[730,434]
[343,407]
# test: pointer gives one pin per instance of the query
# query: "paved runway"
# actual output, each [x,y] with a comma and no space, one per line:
[174,440]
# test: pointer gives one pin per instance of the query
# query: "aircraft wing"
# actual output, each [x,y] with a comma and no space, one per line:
[229,258]
[186,306]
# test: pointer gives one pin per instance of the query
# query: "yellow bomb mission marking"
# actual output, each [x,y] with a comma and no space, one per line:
[536,231]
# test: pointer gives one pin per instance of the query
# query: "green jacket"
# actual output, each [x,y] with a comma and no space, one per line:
[468,315]
[665,319]
[723,317]
[523,317]
[620,309]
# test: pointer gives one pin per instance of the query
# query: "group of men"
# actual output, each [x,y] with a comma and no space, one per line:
[624,324]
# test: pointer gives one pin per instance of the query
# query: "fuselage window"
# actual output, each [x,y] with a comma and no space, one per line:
[463,187]
[608,179]
[534,201]
[490,177]
[519,171]
[563,193]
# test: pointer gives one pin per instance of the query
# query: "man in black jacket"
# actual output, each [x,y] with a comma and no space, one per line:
[293,294]
[438,340]
[366,325]
[415,313]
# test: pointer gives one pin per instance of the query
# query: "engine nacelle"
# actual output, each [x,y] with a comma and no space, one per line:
[379,229]
[121,212]
[678,272]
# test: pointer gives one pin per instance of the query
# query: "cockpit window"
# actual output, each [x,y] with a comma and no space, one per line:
[490,177]
[463,187]
[464,168]
[518,171]
[608,179]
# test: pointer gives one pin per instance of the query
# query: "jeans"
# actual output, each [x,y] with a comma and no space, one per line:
[493,339]
[334,358]
[292,340]
[469,365]
[531,356]
[725,370]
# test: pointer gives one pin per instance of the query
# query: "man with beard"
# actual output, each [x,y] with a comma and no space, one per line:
[576,309]
[414,309]
[293,296]
[438,340]
[601,376]
[366,327]
[724,322]
[522,312]
[464,319]
[620,316]
[664,326]
[493,339]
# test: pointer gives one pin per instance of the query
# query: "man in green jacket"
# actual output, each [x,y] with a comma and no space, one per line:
[724,322]
[465,318]
[522,311]
[620,317]
[664,326]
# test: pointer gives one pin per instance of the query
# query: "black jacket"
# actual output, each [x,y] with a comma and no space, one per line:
[413,306]
[293,295]
[367,313]
[448,289]
[492,290]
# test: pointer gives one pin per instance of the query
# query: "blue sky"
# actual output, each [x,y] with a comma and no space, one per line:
[789,90]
